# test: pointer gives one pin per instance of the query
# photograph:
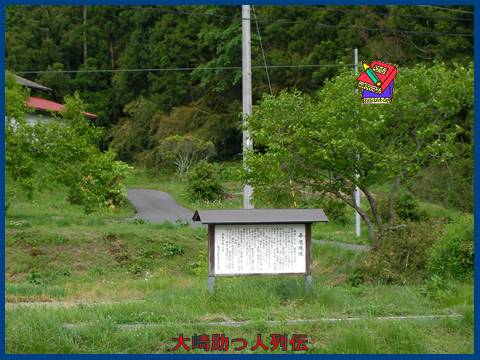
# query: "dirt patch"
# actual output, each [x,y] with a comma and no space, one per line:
[230,196]
[117,248]
[183,282]
[337,280]
[9,298]
[35,251]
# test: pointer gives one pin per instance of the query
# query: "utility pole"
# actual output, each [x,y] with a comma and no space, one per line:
[246,94]
[357,190]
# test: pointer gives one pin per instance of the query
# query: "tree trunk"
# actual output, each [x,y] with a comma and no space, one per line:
[376,214]
[391,196]
[84,34]
[112,53]
[371,233]
[371,229]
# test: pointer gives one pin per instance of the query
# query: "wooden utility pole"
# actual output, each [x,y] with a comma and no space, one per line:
[246,95]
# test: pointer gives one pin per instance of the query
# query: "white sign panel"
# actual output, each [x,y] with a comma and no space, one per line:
[260,249]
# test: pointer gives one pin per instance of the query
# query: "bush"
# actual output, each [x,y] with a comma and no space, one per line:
[200,265]
[448,186]
[203,182]
[406,207]
[401,256]
[170,249]
[336,210]
[452,254]
[98,183]
[63,150]
[231,171]
[181,152]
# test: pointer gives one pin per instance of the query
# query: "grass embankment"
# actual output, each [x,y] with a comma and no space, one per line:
[176,187]
[156,274]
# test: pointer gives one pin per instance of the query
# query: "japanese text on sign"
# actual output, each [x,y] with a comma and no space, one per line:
[260,249]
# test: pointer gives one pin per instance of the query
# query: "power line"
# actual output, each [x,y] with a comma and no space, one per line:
[281,21]
[365,11]
[359,11]
[400,31]
[263,53]
[178,69]
[447,9]
[156,8]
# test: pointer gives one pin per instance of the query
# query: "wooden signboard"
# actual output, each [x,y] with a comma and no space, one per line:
[259,242]
[259,249]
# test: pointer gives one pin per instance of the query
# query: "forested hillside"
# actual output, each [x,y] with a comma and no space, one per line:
[193,54]
[101,255]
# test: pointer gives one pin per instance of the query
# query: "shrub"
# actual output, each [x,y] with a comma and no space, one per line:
[35,278]
[450,186]
[98,183]
[406,207]
[170,249]
[335,210]
[401,256]
[452,254]
[182,151]
[203,182]
[231,171]
[63,150]
[200,265]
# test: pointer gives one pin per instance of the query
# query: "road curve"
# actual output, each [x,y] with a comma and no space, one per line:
[158,206]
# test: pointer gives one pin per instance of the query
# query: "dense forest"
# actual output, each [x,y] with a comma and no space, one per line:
[199,48]
[153,72]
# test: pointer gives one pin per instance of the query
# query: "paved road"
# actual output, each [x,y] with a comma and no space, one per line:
[158,206]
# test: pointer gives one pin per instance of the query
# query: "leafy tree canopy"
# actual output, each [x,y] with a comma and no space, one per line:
[331,143]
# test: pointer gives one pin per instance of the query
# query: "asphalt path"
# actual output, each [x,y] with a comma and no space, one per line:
[158,206]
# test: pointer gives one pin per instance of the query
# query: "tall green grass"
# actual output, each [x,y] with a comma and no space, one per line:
[55,252]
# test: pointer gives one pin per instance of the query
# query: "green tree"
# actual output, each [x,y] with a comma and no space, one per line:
[19,159]
[63,150]
[322,143]
[182,152]
[203,182]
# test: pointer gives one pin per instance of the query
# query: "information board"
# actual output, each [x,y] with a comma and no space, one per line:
[260,249]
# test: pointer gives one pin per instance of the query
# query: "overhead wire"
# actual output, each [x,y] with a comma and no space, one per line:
[447,9]
[179,69]
[358,11]
[282,21]
[263,52]
[265,20]
[368,11]
[400,31]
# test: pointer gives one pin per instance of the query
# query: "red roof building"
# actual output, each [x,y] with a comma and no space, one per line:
[48,105]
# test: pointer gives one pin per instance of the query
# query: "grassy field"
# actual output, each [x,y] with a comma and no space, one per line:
[130,287]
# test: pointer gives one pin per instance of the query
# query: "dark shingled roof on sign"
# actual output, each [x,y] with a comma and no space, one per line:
[260,216]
